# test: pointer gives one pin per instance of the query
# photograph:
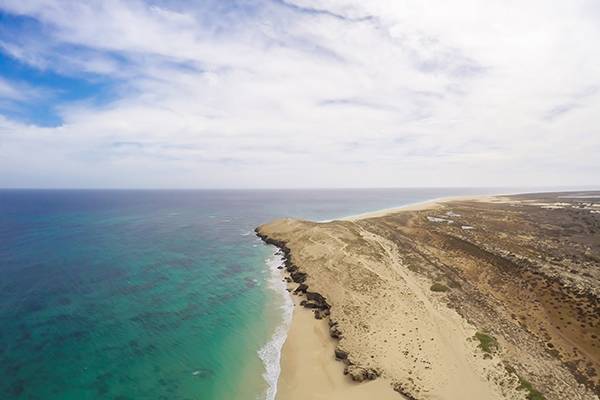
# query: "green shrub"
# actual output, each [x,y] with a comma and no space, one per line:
[438,287]
[487,343]
[533,393]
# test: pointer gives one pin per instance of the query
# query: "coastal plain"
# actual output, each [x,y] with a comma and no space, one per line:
[483,298]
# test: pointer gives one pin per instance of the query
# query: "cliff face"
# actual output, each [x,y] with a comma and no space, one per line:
[466,300]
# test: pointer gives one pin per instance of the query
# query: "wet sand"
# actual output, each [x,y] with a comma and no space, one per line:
[309,369]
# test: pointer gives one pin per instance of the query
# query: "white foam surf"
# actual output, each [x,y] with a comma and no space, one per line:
[270,353]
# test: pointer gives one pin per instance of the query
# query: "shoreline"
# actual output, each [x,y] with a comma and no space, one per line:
[422,205]
[408,309]
[307,341]
[309,368]
[270,353]
[303,340]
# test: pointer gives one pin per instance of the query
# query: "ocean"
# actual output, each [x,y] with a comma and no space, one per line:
[143,294]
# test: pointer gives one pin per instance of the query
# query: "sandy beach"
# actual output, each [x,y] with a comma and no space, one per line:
[411,305]
[309,368]
[424,205]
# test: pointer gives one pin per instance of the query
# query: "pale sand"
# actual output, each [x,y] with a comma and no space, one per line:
[376,273]
[376,300]
[425,205]
[309,370]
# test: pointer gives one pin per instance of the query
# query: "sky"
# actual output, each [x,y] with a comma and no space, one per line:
[299,93]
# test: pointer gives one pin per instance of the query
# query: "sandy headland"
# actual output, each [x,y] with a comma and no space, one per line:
[481,298]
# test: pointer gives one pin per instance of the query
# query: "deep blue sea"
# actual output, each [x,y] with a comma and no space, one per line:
[116,294]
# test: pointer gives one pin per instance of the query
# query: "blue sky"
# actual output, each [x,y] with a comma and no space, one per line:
[298,93]
[47,91]
[45,84]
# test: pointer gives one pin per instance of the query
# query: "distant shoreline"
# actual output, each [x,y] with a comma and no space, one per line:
[423,205]
[427,204]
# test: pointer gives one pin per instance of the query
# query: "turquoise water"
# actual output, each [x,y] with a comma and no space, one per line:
[149,294]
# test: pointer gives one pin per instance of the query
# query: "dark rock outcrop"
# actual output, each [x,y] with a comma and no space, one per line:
[341,354]
[398,387]
[309,304]
[360,374]
[302,288]
[334,331]
[298,277]
[316,297]
[315,300]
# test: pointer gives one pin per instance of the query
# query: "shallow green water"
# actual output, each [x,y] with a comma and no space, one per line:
[148,294]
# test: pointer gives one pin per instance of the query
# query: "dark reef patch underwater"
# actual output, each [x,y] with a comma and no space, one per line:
[148,294]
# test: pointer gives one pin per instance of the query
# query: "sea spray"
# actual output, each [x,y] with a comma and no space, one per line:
[270,353]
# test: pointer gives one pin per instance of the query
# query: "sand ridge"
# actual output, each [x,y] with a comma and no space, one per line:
[388,319]
[376,273]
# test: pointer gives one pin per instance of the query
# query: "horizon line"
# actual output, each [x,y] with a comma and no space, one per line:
[570,187]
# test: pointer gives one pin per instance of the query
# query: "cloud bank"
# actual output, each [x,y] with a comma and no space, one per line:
[299,93]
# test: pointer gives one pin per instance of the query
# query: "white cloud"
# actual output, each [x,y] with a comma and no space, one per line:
[8,90]
[19,91]
[306,93]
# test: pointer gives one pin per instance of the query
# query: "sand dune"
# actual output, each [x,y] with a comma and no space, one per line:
[378,273]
